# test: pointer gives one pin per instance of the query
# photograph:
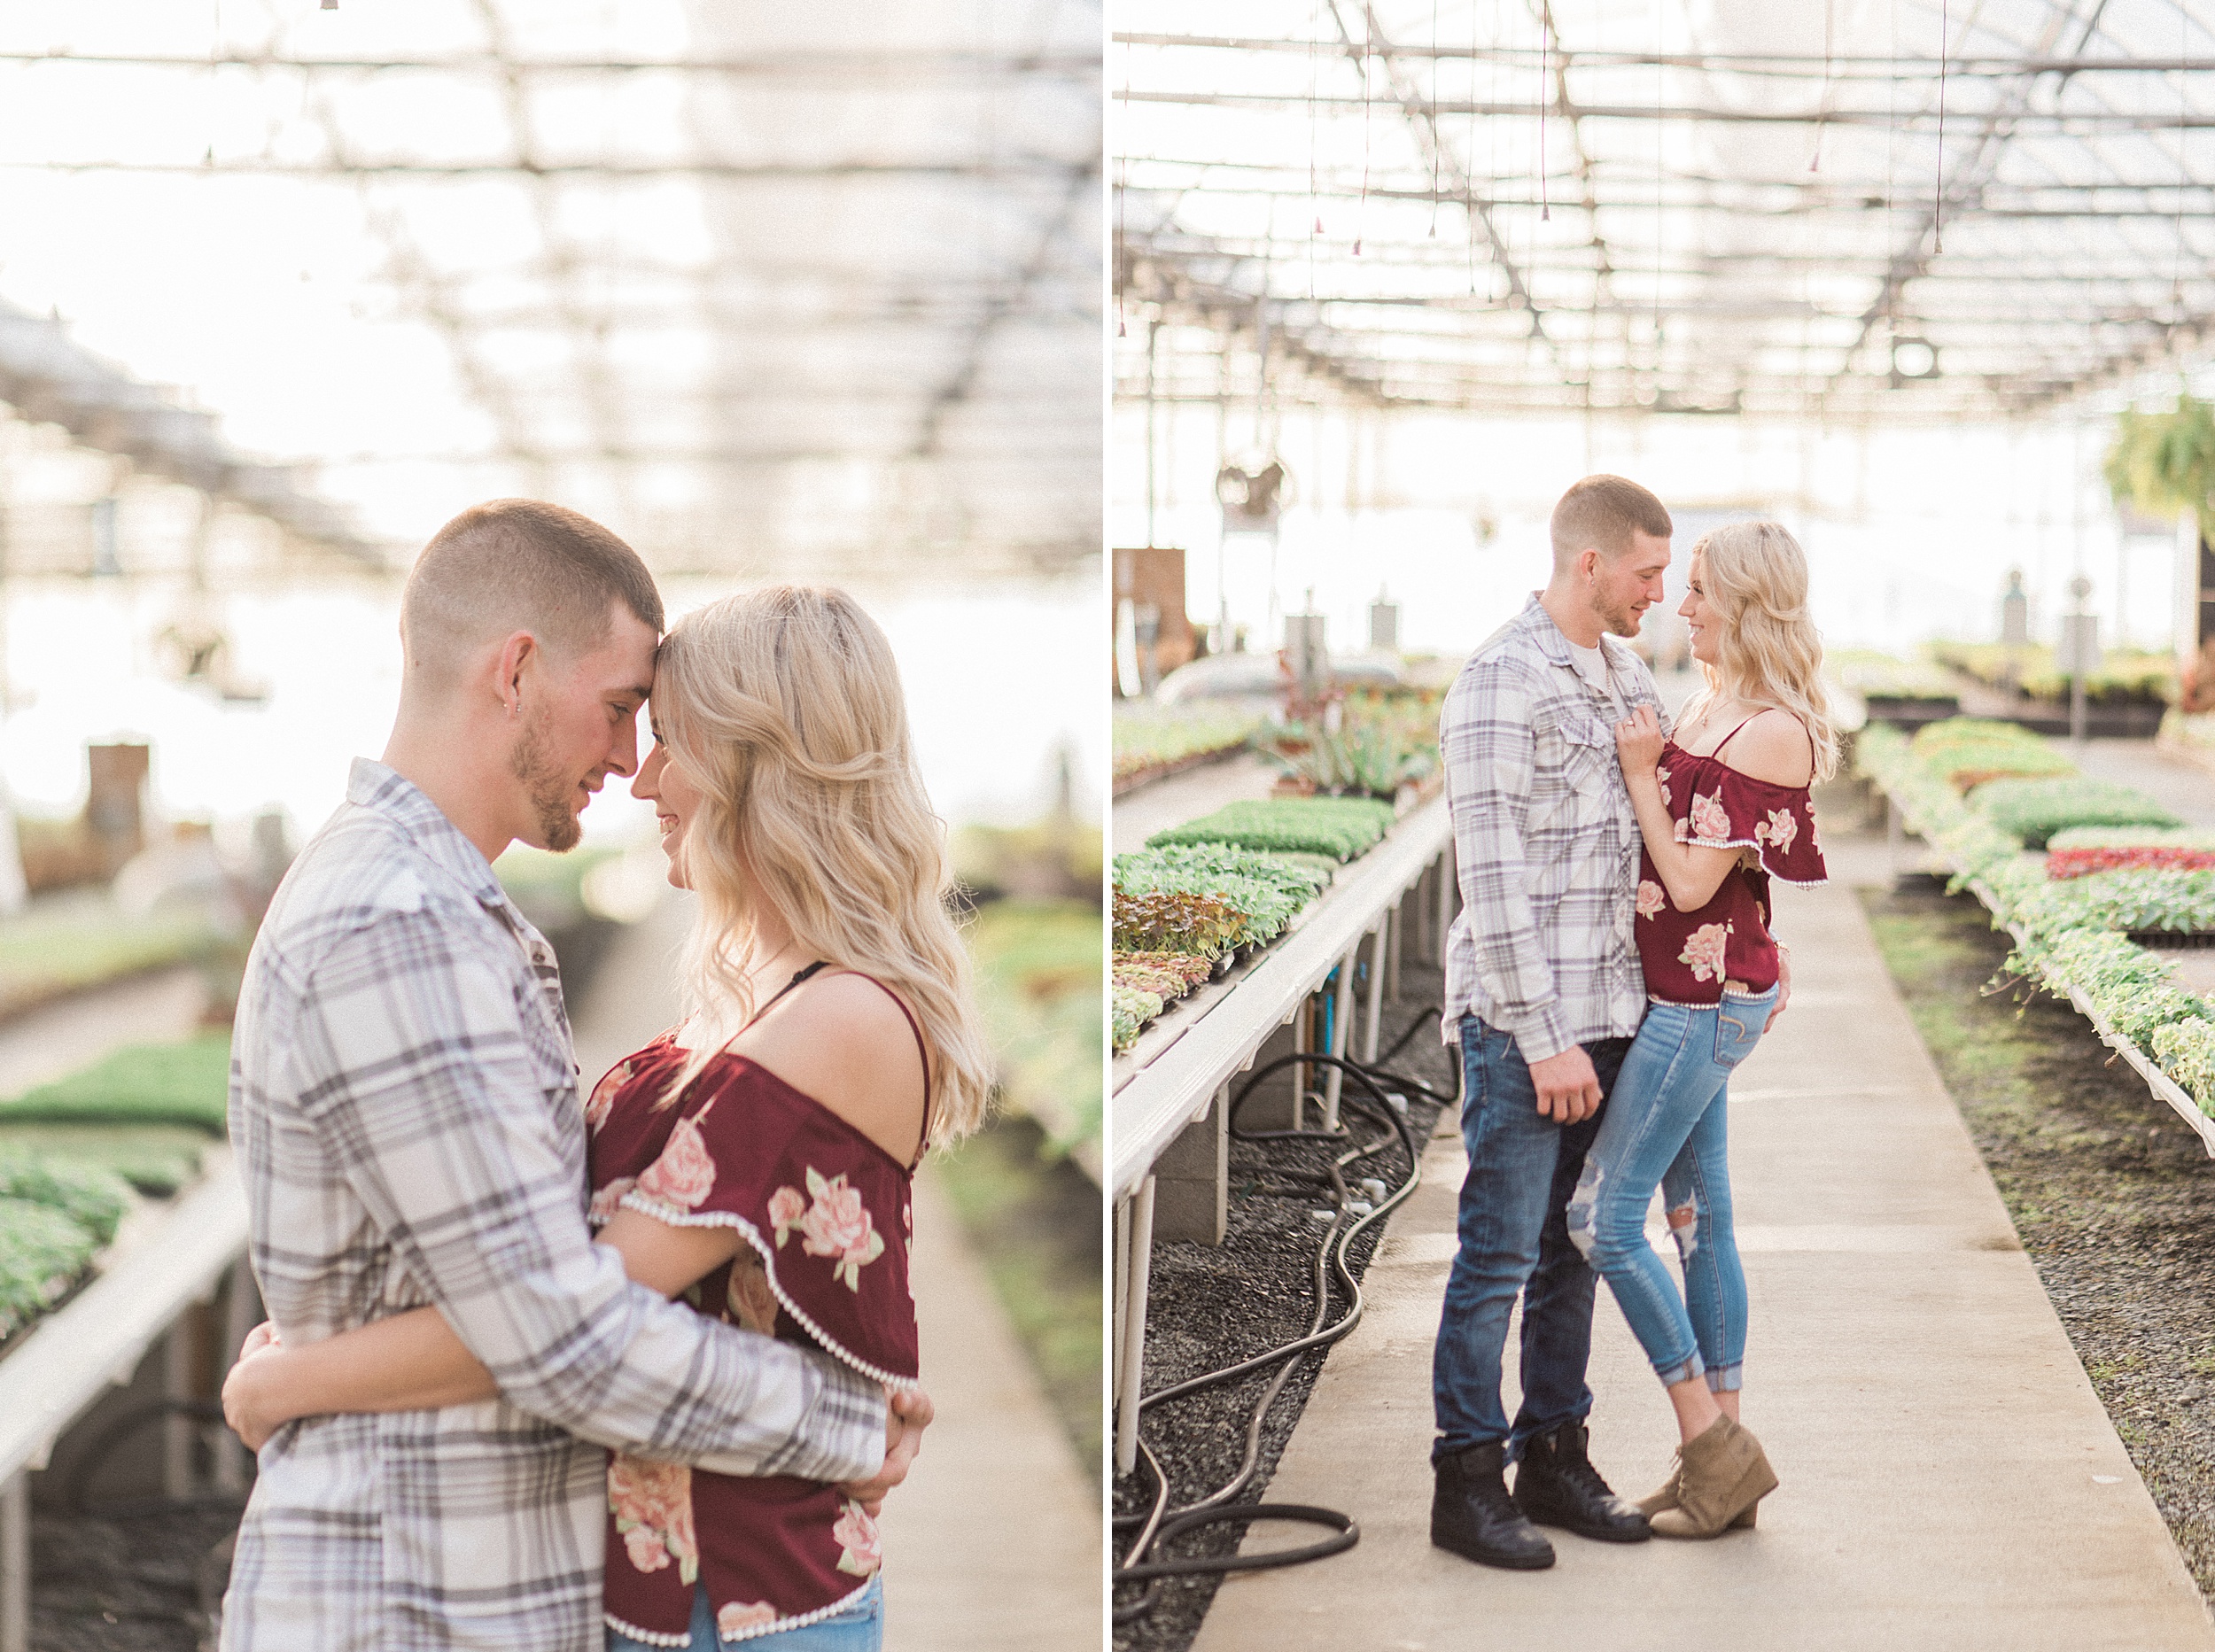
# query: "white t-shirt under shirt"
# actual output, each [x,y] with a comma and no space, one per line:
[1591,664]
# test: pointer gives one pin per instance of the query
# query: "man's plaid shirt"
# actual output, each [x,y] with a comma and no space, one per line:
[1545,841]
[403,1098]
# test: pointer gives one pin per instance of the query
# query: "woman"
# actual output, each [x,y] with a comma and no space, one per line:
[1723,807]
[756,1159]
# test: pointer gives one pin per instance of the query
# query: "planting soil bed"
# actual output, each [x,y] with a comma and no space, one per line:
[2112,1196]
[1211,1305]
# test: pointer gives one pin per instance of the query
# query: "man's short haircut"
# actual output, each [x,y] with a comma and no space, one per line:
[520,564]
[1600,513]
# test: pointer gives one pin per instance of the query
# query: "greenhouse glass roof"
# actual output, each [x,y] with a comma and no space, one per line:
[807,290]
[1838,209]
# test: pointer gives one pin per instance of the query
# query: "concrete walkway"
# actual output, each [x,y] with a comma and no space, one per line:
[994,1543]
[1951,1483]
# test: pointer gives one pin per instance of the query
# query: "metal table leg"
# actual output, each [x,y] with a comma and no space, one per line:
[1444,911]
[1341,1017]
[1380,949]
[177,1429]
[1397,917]
[241,1311]
[15,1564]
[1132,1344]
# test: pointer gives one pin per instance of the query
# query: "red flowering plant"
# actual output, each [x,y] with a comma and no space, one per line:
[2088,849]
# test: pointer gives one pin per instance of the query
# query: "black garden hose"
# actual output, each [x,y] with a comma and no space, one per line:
[1161,1523]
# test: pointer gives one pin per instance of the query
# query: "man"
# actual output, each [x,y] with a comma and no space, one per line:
[1544,993]
[404,1104]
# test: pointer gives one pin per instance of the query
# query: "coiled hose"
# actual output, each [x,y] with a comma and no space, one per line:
[1161,1523]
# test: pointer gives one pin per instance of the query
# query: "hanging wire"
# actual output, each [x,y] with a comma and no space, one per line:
[1122,209]
[1545,57]
[1661,183]
[1315,119]
[2184,170]
[1938,187]
[1468,174]
[1822,109]
[1368,36]
[1437,135]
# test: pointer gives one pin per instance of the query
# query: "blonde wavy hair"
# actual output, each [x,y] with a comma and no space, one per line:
[1769,654]
[783,707]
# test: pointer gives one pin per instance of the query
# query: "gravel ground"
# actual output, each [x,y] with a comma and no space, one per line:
[147,1584]
[2114,1198]
[1212,1305]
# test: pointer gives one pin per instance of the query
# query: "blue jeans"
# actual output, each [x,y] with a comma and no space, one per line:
[1667,1128]
[1515,1240]
[857,1628]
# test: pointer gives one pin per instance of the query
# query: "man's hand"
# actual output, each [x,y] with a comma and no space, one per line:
[906,1415]
[1784,987]
[1568,1088]
[246,1407]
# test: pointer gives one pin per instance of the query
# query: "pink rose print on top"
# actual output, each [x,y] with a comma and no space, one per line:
[652,1503]
[1709,818]
[1703,952]
[1778,831]
[1662,775]
[736,1616]
[608,1199]
[786,1207]
[835,1223]
[683,1174]
[1651,897]
[603,1095]
[861,1553]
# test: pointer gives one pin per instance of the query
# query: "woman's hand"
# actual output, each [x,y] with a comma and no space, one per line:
[1638,743]
[250,1399]
[908,1413]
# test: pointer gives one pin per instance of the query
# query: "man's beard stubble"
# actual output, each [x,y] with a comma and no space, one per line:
[550,792]
[1621,619]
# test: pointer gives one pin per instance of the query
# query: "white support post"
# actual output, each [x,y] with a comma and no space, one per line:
[1300,1075]
[177,1429]
[241,1311]
[1397,918]
[1445,908]
[1121,1288]
[15,1564]
[1342,1019]
[1132,1347]
[1379,950]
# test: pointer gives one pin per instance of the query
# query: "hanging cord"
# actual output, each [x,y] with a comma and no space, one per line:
[1545,63]
[1368,39]
[1437,133]
[1822,109]
[1938,191]
[1161,1523]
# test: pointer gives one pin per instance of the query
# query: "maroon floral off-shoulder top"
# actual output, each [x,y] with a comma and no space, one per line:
[825,1218]
[1688,956]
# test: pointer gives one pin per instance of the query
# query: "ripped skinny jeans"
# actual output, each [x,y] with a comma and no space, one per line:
[1667,1126]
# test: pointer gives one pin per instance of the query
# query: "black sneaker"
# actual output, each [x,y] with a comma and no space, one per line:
[1557,1485]
[1473,1515]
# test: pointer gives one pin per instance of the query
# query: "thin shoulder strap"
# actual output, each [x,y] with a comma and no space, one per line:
[1733,735]
[797,977]
[922,1049]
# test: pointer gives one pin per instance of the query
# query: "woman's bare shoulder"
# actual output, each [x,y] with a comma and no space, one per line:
[845,1041]
[1774,747]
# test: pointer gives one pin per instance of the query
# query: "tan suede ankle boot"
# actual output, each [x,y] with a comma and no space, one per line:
[1720,1475]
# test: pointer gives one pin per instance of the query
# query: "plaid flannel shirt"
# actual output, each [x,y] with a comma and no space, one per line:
[403,1098]
[1545,841]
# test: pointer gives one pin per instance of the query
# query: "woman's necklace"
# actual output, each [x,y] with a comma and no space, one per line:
[1709,715]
